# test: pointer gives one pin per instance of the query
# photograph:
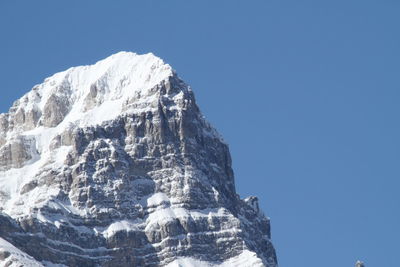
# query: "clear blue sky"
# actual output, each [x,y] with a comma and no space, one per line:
[305,92]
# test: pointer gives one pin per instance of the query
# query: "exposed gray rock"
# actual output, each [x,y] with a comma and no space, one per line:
[55,110]
[146,187]
[17,152]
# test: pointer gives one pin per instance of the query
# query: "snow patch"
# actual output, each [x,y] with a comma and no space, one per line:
[163,215]
[119,226]
[15,257]
[245,259]
[156,199]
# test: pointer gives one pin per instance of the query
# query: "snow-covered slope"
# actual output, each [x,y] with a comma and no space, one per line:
[10,256]
[113,164]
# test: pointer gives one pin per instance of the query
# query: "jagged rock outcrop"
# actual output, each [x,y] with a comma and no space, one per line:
[114,165]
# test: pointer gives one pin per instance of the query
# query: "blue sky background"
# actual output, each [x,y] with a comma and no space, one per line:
[305,92]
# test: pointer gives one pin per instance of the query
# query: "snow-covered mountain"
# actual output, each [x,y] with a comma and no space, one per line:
[113,164]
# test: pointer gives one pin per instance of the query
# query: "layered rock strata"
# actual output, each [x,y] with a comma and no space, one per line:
[113,164]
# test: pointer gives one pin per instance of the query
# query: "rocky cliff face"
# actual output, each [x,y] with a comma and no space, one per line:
[113,165]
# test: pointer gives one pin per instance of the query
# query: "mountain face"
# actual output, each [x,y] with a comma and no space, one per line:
[114,165]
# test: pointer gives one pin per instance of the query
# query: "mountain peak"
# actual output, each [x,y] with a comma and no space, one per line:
[113,164]
[122,73]
[95,93]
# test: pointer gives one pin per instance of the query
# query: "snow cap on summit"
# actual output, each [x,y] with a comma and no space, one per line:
[98,92]
[136,72]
